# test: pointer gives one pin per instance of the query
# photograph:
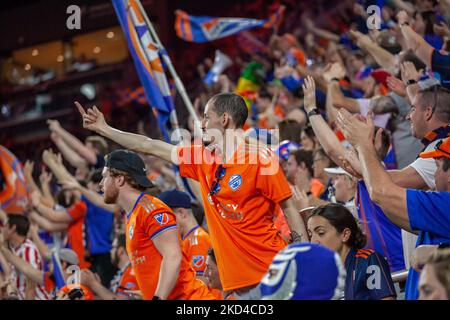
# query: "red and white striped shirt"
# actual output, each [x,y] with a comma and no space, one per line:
[30,253]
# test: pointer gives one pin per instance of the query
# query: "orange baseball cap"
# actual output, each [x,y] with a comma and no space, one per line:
[442,149]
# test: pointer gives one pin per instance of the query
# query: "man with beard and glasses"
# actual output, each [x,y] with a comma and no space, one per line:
[124,284]
[153,242]
[241,184]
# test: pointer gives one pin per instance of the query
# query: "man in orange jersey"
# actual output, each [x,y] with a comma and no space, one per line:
[152,237]
[240,188]
[196,240]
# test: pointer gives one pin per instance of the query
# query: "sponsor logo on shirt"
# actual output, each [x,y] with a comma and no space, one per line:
[235,182]
[131,231]
[162,218]
[198,261]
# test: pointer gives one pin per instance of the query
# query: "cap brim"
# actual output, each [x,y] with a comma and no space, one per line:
[433,154]
[143,181]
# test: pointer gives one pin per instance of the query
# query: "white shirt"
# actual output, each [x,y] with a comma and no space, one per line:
[426,167]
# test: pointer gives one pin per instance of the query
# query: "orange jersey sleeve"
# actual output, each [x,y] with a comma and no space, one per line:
[196,244]
[128,281]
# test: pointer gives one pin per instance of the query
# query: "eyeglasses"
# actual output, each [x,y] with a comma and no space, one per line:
[219,174]
[438,147]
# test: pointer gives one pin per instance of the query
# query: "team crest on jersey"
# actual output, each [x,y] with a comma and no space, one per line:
[131,231]
[235,181]
[162,218]
[198,261]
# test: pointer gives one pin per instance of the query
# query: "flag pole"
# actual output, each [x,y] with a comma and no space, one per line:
[178,83]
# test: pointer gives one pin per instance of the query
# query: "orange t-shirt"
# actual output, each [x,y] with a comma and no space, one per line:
[196,244]
[124,280]
[240,214]
[149,217]
[50,287]
[76,232]
[317,187]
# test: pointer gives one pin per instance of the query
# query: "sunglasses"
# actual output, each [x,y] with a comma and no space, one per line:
[218,175]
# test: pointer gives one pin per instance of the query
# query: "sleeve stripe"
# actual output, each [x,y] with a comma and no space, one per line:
[162,230]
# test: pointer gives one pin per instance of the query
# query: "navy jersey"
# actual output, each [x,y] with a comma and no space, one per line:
[383,236]
[429,213]
[368,276]
[99,228]
[440,63]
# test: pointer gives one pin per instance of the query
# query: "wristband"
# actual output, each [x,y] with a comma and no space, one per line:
[410,82]
[313,112]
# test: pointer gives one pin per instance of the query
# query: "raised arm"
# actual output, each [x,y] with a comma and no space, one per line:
[49,213]
[45,178]
[390,197]
[68,153]
[28,174]
[382,57]
[94,120]
[414,41]
[47,224]
[322,33]
[42,247]
[73,142]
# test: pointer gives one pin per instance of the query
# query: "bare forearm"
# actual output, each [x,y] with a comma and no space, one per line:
[102,292]
[168,275]
[140,143]
[77,146]
[98,200]
[5,265]
[42,247]
[69,154]
[339,100]
[53,215]
[382,57]
[325,34]
[23,267]
[46,224]
[418,44]
[295,222]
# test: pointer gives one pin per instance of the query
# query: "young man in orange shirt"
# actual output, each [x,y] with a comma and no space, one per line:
[152,237]
[240,188]
[196,241]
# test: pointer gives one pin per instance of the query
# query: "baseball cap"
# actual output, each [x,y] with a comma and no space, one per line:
[304,271]
[337,170]
[286,147]
[68,256]
[129,162]
[176,199]
[441,149]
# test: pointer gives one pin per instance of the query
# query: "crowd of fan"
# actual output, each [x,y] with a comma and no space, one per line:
[360,122]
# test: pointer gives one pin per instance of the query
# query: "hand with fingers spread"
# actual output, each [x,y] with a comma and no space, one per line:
[336,70]
[28,168]
[396,85]
[93,119]
[309,91]
[402,17]
[355,129]
[300,198]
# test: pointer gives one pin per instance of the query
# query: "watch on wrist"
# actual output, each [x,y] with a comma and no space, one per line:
[313,112]
[410,82]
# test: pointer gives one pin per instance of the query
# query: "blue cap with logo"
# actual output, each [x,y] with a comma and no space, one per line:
[304,271]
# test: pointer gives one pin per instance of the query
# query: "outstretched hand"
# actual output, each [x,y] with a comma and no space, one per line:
[356,129]
[93,119]
[309,91]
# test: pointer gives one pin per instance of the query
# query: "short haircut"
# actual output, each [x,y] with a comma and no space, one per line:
[98,143]
[232,104]
[264,94]
[440,260]
[290,130]
[304,156]
[21,223]
[322,152]
[438,98]
[96,176]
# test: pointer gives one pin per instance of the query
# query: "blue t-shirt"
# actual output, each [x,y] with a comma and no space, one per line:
[382,235]
[368,276]
[440,63]
[429,213]
[99,227]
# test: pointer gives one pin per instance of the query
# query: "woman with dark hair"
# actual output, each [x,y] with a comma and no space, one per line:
[368,275]
[308,139]
[423,25]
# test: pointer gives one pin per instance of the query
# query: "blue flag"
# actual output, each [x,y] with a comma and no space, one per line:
[147,61]
[204,29]
[383,236]
[57,271]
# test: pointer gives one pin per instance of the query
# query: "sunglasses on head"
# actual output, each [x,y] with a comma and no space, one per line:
[438,147]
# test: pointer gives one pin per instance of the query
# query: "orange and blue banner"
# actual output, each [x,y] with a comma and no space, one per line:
[146,57]
[13,187]
[204,28]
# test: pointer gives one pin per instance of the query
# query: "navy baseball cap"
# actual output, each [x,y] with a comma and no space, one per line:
[176,199]
[129,162]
